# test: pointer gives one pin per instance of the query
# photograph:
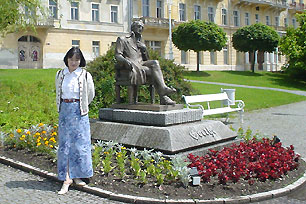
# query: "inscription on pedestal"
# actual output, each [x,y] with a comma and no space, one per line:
[202,133]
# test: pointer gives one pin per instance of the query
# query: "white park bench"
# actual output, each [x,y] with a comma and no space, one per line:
[225,106]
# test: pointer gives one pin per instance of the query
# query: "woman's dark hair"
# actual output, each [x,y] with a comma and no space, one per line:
[79,55]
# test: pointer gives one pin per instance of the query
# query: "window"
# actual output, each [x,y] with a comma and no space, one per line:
[211,14]
[294,23]
[268,20]
[182,11]
[75,43]
[74,11]
[145,8]
[247,19]
[159,9]
[212,57]
[23,39]
[276,20]
[285,22]
[95,12]
[154,45]
[224,17]
[114,14]
[183,57]
[256,18]
[96,48]
[33,39]
[225,55]
[236,18]
[197,12]
[53,8]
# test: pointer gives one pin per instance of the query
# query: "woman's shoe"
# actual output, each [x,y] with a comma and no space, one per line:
[79,182]
[64,188]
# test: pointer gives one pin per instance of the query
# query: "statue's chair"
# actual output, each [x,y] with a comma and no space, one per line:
[123,78]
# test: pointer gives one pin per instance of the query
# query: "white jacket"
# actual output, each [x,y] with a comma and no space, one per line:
[87,90]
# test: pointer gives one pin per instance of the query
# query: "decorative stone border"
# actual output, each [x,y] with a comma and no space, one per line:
[144,200]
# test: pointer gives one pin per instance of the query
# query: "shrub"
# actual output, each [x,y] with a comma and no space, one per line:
[103,72]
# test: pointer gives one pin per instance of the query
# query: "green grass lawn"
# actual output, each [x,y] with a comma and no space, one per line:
[253,98]
[28,96]
[264,79]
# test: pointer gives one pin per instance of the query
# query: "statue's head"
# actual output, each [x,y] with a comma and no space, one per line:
[137,26]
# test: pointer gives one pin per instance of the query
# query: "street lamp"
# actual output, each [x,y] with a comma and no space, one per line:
[169,2]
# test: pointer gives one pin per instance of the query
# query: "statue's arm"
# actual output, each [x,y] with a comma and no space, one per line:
[121,60]
[143,50]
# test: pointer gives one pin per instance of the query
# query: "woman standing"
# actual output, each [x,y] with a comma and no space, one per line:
[74,92]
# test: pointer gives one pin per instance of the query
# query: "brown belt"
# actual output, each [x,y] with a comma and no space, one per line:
[70,100]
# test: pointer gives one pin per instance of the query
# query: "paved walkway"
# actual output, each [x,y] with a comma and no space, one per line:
[287,122]
[19,187]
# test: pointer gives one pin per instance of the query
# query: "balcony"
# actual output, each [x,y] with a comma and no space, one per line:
[297,6]
[45,23]
[277,4]
[155,22]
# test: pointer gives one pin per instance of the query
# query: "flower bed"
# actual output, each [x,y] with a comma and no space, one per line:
[38,138]
[253,166]
[249,160]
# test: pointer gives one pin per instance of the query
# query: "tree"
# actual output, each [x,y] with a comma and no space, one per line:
[199,36]
[293,45]
[256,37]
[20,14]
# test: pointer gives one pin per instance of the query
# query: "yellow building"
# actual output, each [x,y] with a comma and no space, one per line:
[228,14]
[95,24]
[90,24]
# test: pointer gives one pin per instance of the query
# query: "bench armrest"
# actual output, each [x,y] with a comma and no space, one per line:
[240,104]
[196,105]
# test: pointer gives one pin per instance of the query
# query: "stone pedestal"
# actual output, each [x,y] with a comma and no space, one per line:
[170,139]
[162,118]
[171,131]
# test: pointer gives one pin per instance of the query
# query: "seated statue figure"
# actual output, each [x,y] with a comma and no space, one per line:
[132,55]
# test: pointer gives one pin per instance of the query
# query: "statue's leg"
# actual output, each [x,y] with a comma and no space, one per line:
[131,94]
[135,94]
[117,89]
[152,94]
[158,79]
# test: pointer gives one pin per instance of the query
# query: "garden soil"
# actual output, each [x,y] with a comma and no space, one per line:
[132,186]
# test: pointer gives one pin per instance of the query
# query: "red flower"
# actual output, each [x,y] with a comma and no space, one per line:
[252,159]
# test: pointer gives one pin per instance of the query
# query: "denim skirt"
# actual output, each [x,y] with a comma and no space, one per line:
[74,151]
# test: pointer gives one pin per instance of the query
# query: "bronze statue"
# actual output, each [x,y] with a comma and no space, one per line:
[132,58]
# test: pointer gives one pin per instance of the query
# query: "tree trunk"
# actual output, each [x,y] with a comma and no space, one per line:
[198,61]
[252,54]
